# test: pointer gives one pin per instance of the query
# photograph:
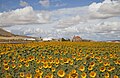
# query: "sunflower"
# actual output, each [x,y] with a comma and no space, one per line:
[102,69]
[100,61]
[25,61]
[50,61]
[27,64]
[28,75]
[40,72]
[8,75]
[21,59]
[13,60]
[110,69]
[73,71]
[53,69]
[5,63]
[71,62]
[90,68]
[61,73]
[37,61]
[57,61]
[73,56]
[115,76]
[50,65]
[13,65]
[47,76]
[37,70]
[50,75]
[19,65]
[111,55]
[45,65]
[74,75]
[40,67]
[83,75]
[21,74]
[66,60]
[37,75]
[118,62]
[92,74]
[6,67]
[92,64]
[82,68]
[92,56]
[105,63]
[107,75]
[113,68]
[67,76]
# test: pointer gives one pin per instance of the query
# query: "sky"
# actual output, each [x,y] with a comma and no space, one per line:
[89,19]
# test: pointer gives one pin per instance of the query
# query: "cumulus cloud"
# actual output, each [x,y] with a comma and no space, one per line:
[67,22]
[23,16]
[44,3]
[23,3]
[105,9]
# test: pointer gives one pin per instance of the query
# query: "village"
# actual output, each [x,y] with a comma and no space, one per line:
[23,39]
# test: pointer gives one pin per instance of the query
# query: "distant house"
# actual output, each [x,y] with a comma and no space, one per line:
[31,39]
[47,39]
[76,39]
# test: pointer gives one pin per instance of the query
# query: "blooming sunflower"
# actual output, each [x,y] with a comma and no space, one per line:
[21,74]
[6,67]
[37,70]
[40,72]
[27,64]
[61,73]
[107,75]
[83,75]
[13,65]
[102,69]
[92,64]
[82,68]
[28,75]
[115,76]
[53,69]
[90,68]
[92,74]
[45,65]
[19,65]
[74,75]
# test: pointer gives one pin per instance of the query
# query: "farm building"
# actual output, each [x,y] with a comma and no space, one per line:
[76,39]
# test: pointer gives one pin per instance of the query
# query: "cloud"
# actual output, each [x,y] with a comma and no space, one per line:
[104,10]
[23,3]
[69,22]
[25,15]
[90,22]
[44,3]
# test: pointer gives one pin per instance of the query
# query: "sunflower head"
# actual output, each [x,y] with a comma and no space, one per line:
[74,75]
[61,73]
[92,74]
[21,74]
[28,75]
[6,67]
[82,68]
[83,75]
[102,69]
[115,76]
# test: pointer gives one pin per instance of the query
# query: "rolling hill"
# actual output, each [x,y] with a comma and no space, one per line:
[5,33]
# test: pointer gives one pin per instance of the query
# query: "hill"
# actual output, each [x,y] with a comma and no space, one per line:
[5,33]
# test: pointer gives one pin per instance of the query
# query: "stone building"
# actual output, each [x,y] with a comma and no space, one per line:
[76,39]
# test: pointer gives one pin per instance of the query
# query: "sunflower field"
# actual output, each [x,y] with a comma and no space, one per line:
[60,60]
